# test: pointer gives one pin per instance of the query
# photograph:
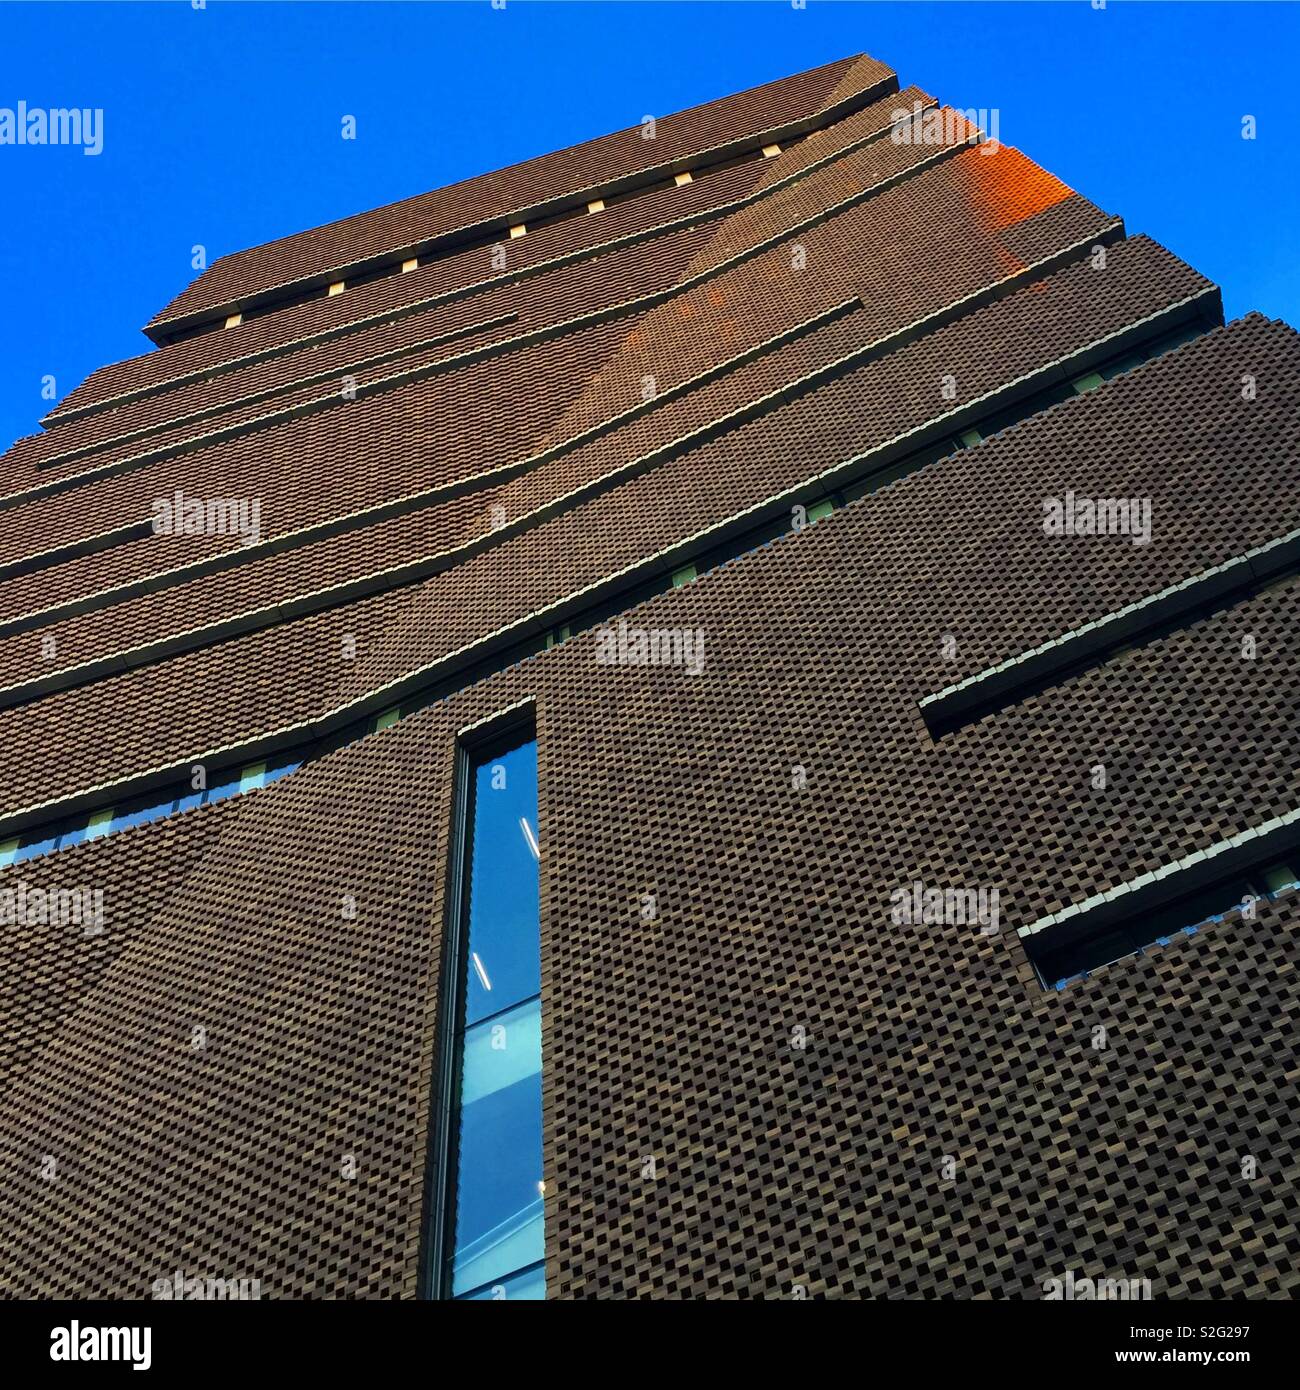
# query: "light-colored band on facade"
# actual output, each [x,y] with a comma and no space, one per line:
[1127,623]
[1184,875]
[717,212]
[537,624]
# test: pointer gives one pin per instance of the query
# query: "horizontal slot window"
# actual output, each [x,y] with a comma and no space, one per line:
[534,223]
[705,561]
[1061,965]
[1230,878]
[1114,637]
[140,810]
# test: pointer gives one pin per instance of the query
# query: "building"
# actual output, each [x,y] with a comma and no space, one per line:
[708,715]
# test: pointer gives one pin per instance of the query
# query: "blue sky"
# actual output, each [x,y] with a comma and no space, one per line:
[222,126]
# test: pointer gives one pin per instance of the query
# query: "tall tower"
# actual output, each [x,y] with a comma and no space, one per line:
[709,714]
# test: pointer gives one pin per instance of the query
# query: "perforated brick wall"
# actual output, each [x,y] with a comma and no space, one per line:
[757,1081]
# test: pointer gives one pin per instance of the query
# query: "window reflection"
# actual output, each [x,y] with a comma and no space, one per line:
[498,1240]
[504,904]
[498,1203]
[90,825]
[528,1283]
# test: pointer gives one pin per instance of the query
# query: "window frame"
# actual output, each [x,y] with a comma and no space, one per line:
[477,744]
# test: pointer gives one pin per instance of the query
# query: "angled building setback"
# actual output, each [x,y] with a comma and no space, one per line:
[712,714]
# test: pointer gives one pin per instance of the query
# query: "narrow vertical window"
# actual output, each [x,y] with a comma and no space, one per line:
[491,1244]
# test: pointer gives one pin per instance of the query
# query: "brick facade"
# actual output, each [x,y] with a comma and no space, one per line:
[943,1127]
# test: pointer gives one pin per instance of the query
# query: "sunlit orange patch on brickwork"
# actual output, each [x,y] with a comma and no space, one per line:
[1005,188]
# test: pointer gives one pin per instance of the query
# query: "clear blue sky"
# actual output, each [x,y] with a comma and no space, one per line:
[222,126]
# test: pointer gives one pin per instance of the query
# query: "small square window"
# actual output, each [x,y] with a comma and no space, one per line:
[252,775]
[1278,878]
[684,576]
[1088,383]
[821,509]
[387,719]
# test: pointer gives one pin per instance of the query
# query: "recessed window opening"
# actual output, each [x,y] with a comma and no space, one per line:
[486,1235]
[388,268]
[1062,960]
[139,810]
[959,708]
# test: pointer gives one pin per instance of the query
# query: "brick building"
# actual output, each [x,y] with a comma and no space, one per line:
[712,714]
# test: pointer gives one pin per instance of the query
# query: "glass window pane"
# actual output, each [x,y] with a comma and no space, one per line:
[1279,877]
[497,1226]
[72,836]
[138,812]
[254,775]
[505,962]
[227,786]
[36,842]
[281,770]
[499,1167]
[528,1284]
